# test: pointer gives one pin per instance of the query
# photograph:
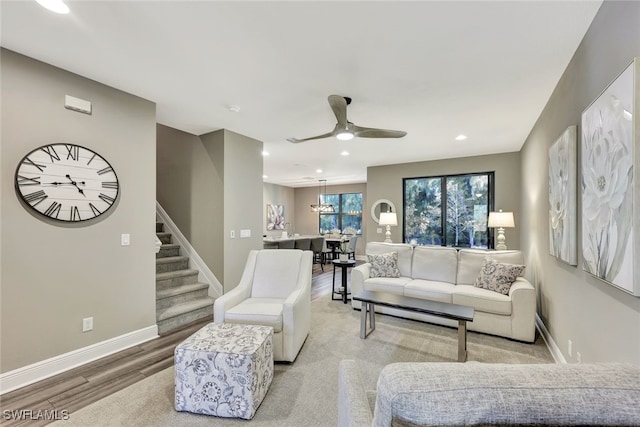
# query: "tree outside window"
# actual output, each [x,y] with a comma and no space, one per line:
[459,221]
[347,215]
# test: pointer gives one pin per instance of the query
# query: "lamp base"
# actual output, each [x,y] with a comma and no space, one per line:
[501,244]
[387,235]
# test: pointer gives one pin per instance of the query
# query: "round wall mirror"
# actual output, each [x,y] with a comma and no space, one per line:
[382,205]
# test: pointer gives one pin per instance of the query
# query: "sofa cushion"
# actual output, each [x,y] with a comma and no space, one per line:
[387,284]
[482,299]
[429,289]
[257,311]
[496,276]
[435,263]
[405,253]
[470,261]
[384,265]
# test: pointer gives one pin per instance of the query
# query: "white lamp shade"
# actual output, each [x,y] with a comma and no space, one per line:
[501,219]
[388,218]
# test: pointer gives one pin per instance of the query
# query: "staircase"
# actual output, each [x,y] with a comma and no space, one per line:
[180,299]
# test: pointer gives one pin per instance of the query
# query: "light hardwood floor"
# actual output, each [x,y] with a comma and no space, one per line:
[70,391]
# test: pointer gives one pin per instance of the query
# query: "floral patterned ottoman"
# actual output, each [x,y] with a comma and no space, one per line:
[224,370]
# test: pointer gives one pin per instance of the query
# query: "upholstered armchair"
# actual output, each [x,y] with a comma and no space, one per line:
[275,290]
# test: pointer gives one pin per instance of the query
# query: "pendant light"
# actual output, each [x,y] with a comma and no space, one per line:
[322,207]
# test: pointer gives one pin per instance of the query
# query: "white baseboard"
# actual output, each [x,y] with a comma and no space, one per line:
[205,275]
[548,339]
[38,371]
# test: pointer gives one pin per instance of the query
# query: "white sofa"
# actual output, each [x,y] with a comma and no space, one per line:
[447,275]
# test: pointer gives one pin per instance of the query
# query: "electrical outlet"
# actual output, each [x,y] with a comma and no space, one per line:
[570,348]
[87,324]
[578,357]
[379,230]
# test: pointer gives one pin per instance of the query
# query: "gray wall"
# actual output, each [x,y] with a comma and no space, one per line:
[385,182]
[54,275]
[242,202]
[602,322]
[209,185]
[274,194]
[190,189]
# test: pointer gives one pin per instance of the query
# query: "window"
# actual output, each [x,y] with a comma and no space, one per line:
[348,212]
[449,210]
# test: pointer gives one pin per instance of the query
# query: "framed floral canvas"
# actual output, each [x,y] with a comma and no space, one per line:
[562,197]
[609,184]
[275,217]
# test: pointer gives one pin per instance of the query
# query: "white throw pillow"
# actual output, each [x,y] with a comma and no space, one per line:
[496,276]
[384,265]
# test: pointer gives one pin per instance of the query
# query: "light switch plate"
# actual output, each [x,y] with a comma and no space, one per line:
[232,234]
[125,239]
[245,233]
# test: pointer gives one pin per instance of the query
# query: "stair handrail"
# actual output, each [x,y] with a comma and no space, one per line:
[205,275]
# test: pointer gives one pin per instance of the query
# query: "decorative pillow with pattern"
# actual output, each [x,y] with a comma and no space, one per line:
[384,265]
[496,276]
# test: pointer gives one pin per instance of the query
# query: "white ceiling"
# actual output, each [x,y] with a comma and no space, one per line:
[434,69]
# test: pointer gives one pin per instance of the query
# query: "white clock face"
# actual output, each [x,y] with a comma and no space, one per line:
[66,182]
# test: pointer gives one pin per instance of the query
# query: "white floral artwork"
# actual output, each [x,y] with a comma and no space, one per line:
[562,197]
[275,217]
[607,184]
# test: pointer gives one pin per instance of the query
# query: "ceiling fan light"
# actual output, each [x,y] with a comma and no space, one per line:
[345,135]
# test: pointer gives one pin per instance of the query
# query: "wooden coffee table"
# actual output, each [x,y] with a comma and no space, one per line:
[461,313]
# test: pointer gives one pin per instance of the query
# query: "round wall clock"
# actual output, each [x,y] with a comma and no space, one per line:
[66,182]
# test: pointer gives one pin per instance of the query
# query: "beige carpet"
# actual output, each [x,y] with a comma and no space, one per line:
[305,393]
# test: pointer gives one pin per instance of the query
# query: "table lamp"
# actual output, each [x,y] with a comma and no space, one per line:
[501,220]
[388,219]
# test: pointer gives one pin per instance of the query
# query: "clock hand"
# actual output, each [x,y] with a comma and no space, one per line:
[76,185]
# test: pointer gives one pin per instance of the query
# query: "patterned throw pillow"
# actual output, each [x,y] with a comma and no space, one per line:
[384,265]
[496,276]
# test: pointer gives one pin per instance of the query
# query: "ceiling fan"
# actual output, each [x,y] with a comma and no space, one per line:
[346,130]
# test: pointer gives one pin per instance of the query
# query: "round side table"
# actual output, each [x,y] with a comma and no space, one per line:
[344,265]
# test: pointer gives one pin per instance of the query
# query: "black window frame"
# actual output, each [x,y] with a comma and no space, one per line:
[443,215]
[338,211]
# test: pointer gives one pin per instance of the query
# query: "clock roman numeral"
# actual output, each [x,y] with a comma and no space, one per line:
[105,170]
[95,210]
[106,199]
[73,152]
[53,210]
[35,198]
[110,184]
[91,159]
[25,180]
[74,215]
[28,161]
[51,152]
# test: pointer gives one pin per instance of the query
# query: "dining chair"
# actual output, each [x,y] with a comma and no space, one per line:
[317,247]
[352,247]
[287,244]
[303,243]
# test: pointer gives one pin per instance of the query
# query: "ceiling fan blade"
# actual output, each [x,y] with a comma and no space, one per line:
[339,106]
[324,135]
[362,132]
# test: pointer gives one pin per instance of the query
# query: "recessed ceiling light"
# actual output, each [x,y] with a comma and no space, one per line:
[318,170]
[265,153]
[461,137]
[56,6]
[344,153]
[233,108]
[265,176]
